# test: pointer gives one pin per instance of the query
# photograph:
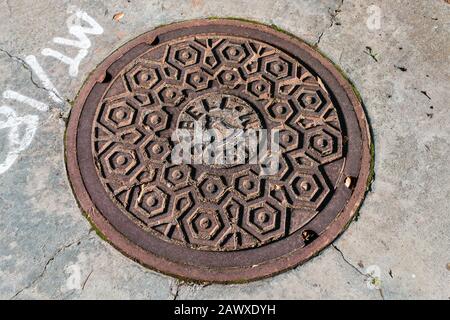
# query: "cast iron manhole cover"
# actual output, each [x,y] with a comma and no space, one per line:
[251,214]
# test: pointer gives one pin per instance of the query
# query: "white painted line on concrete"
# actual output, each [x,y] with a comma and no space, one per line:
[17,142]
[13,95]
[22,129]
[83,43]
[42,75]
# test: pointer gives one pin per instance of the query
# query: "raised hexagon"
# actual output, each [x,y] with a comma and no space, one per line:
[288,139]
[260,88]
[229,77]
[311,100]
[177,176]
[324,143]
[155,120]
[251,67]
[157,151]
[265,221]
[152,202]
[211,187]
[170,95]
[233,53]
[278,68]
[118,114]
[280,111]
[143,76]
[198,80]
[120,161]
[308,189]
[184,55]
[249,185]
[205,226]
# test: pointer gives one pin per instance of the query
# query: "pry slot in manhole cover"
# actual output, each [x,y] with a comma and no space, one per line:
[279,170]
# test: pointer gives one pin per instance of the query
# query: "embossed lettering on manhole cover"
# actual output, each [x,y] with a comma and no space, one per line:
[218,151]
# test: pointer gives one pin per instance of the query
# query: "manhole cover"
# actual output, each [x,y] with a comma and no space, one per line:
[218,150]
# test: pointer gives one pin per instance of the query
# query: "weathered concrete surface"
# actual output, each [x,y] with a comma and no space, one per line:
[402,71]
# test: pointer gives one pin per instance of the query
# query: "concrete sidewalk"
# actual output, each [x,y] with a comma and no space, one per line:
[397,54]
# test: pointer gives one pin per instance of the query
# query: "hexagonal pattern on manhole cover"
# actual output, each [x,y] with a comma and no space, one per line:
[218,150]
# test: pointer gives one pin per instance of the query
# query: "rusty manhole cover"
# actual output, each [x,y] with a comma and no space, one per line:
[218,221]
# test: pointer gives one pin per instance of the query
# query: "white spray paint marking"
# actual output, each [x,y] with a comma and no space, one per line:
[42,75]
[17,142]
[373,22]
[83,43]
[22,129]
[74,63]
[13,95]
[373,281]
[74,24]
[73,282]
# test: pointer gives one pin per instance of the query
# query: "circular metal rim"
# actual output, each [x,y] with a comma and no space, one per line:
[322,66]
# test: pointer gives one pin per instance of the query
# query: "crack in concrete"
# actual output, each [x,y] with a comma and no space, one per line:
[348,262]
[86,280]
[48,262]
[369,51]
[333,16]
[175,289]
[30,70]
[365,275]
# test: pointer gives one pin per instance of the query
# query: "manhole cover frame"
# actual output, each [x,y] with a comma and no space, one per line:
[341,90]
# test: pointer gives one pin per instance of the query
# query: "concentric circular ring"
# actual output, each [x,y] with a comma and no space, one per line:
[208,222]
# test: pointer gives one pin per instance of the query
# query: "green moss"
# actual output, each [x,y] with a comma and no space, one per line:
[97,231]
[234,18]
[277,28]
[371,178]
